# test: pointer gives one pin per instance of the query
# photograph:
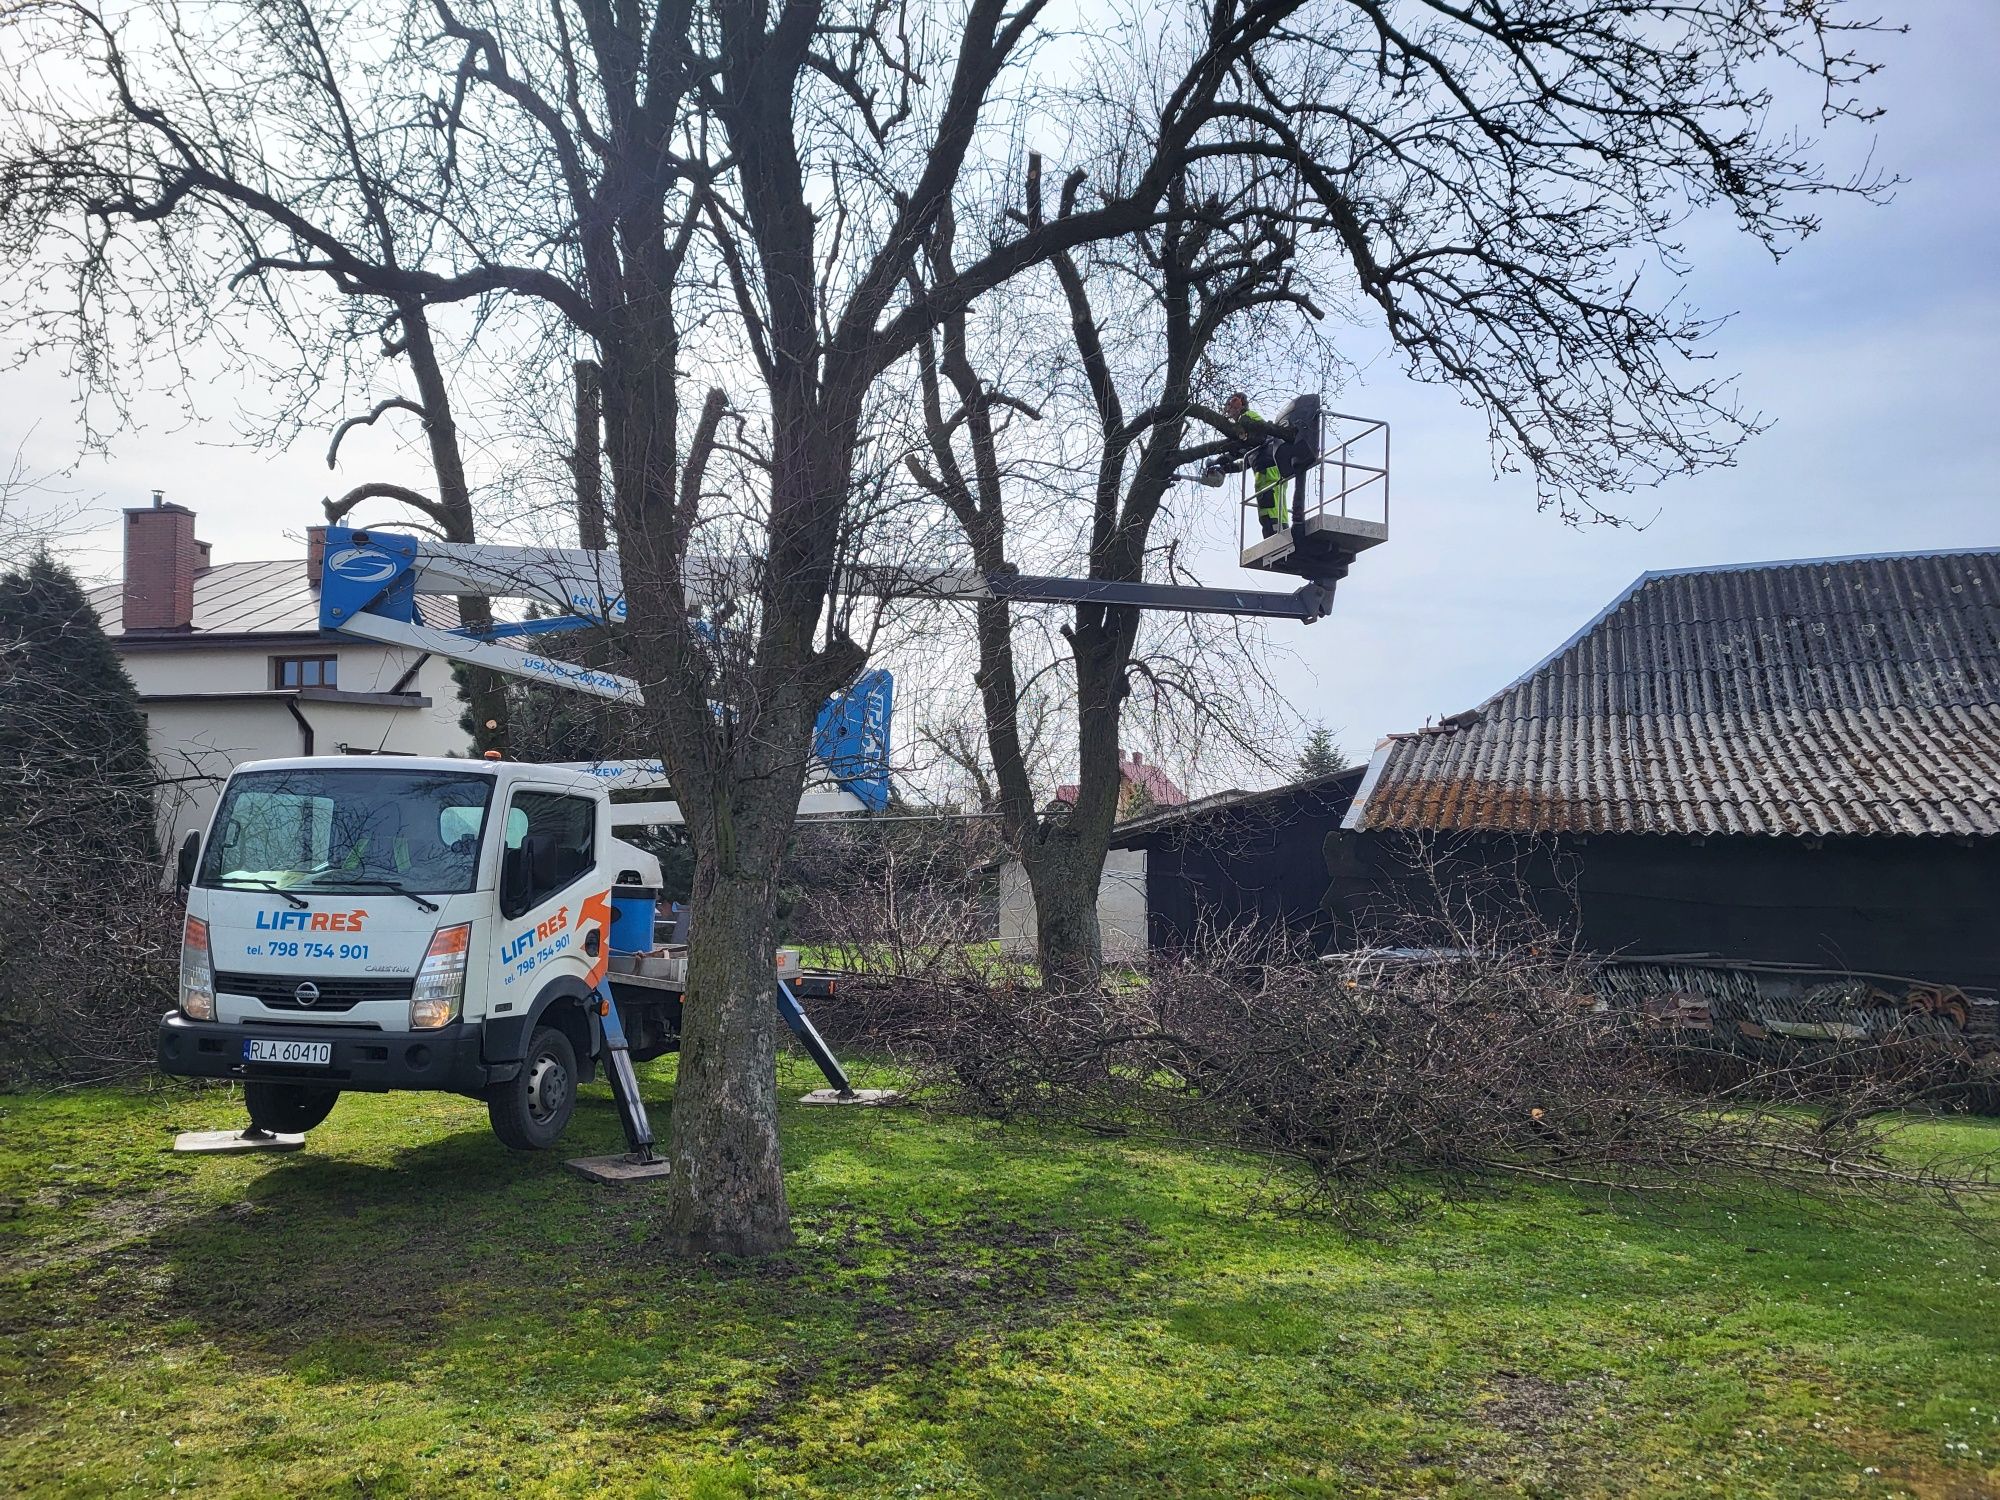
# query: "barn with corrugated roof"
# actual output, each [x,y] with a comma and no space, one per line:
[1789,765]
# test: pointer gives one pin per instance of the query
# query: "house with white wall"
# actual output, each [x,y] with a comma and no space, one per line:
[231,666]
[1121,908]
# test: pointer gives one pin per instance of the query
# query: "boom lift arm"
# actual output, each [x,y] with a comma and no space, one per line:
[372,583]
[372,580]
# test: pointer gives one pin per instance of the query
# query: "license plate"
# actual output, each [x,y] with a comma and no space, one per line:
[296,1054]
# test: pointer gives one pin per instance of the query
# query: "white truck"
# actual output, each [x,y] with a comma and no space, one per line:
[374,923]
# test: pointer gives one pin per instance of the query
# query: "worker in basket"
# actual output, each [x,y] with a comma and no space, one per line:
[1257,448]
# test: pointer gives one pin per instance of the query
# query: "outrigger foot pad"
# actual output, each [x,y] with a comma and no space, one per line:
[226,1142]
[625,1168]
[879,1098]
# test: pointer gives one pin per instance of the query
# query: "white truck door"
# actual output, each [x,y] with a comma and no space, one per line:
[553,914]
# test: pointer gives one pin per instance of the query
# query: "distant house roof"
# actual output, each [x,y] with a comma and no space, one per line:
[1844,696]
[251,598]
[1136,771]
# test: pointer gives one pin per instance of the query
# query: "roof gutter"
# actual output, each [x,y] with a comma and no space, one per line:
[302,695]
[199,640]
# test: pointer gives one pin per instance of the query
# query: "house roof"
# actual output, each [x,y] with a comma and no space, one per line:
[1332,789]
[251,598]
[1136,770]
[1836,696]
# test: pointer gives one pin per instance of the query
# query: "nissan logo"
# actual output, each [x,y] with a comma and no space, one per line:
[307,993]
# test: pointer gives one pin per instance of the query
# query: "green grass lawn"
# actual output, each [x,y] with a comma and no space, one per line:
[404,1308]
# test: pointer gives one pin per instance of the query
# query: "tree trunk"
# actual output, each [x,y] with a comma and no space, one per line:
[1066,868]
[587,458]
[728,1189]
[1063,876]
[734,733]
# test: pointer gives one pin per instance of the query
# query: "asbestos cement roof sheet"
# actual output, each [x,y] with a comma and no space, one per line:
[1848,696]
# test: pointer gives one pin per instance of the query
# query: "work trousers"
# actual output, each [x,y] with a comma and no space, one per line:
[1271,507]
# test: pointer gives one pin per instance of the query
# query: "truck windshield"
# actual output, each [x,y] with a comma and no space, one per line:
[341,830]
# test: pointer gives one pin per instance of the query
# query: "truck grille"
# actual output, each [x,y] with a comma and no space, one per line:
[336,993]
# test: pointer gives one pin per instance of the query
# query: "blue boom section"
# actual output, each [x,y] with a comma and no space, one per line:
[376,575]
[852,737]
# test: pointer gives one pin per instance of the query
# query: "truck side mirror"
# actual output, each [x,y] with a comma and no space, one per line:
[184,862]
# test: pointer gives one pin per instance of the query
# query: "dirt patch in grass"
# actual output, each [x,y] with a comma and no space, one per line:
[94,1221]
[1529,1406]
[1916,1478]
[990,1273]
[922,1293]
[240,1272]
[983,1270]
[242,1279]
[795,1379]
[1541,1422]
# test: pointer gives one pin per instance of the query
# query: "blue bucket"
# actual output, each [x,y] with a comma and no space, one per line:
[632,910]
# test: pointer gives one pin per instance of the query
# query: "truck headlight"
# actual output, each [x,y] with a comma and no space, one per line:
[440,988]
[197,973]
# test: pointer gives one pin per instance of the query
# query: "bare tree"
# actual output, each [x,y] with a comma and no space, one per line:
[1490,182]
[1220,256]
[38,512]
[285,217]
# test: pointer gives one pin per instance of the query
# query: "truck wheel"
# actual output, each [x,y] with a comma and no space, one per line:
[287,1108]
[531,1110]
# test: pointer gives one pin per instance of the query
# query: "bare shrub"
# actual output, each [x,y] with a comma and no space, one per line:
[904,909]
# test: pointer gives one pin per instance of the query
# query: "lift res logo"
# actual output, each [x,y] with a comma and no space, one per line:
[311,921]
[532,947]
[541,932]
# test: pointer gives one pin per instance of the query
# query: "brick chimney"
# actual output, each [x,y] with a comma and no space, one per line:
[161,558]
[315,553]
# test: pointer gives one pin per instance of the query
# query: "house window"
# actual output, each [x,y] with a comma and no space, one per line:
[305,671]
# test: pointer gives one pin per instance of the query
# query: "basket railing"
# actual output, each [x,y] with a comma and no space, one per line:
[1350,479]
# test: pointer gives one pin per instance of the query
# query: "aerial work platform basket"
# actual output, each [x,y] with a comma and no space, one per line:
[1338,504]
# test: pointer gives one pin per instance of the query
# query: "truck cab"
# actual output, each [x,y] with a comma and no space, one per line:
[377,923]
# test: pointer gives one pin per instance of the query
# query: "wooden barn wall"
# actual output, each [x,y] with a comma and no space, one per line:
[1261,863]
[1929,908]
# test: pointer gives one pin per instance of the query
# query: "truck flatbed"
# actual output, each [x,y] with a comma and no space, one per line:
[665,968]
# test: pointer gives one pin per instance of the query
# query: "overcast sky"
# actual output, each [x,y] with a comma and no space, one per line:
[1873,349]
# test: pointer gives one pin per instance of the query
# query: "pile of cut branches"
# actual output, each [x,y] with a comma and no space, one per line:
[1386,1079]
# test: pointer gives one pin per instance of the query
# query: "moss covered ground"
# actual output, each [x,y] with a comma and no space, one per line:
[405,1309]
